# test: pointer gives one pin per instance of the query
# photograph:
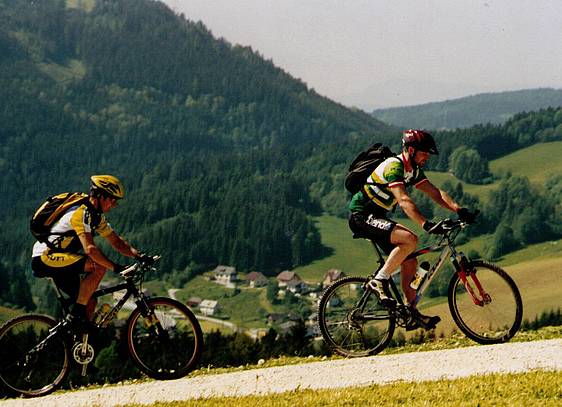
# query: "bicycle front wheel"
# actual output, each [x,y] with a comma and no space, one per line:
[34,360]
[165,339]
[351,319]
[487,307]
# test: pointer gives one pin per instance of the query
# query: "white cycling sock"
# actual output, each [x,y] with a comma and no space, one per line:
[382,275]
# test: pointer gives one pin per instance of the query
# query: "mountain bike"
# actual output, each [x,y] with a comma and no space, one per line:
[163,336]
[483,300]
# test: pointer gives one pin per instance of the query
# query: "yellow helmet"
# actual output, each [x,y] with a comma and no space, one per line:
[107,185]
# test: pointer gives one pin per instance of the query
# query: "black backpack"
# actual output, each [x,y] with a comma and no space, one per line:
[364,164]
[52,210]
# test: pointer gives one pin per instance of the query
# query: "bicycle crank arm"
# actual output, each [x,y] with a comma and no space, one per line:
[83,353]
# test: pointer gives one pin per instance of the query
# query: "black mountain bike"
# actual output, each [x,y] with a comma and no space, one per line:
[164,339]
[483,300]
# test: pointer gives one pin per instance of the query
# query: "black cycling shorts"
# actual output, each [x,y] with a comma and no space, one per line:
[374,227]
[65,269]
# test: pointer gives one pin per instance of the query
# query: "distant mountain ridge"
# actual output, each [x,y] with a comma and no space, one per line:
[495,108]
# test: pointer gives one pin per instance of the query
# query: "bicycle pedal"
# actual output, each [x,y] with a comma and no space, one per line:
[388,303]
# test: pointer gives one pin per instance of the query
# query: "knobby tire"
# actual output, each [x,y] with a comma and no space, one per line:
[350,328]
[496,321]
[168,346]
[26,370]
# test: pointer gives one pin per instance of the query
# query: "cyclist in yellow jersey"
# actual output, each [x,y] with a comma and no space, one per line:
[72,259]
[385,188]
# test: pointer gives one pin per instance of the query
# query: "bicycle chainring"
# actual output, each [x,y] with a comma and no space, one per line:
[402,315]
[79,356]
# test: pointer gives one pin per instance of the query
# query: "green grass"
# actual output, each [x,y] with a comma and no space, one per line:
[536,388]
[482,191]
[353,257]
[537,162]
[245,307]
[74,70]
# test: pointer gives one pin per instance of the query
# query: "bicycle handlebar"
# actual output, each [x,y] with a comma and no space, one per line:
[132,269]
[449,224]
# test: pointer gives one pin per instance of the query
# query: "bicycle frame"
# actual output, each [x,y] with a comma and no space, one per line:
[457,259]
[132,291]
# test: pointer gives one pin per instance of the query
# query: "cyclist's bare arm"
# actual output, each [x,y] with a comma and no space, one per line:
[439,196]
[407,204]
[122,246]
[93,252]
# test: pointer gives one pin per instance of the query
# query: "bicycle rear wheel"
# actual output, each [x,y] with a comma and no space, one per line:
[165,341]
[34,361]
[351,319]
[488,307]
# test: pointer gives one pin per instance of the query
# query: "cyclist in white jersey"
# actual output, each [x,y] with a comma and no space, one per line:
[385,188]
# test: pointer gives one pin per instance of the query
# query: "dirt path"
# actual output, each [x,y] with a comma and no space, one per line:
[419,366]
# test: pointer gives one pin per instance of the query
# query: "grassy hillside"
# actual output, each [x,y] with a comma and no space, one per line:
[537,162]
[353,257]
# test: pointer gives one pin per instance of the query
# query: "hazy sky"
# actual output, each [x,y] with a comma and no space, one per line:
[380,53]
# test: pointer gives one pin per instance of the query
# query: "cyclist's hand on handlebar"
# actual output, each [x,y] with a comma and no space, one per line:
[118,268]
[434,228]
[466,216]
[144,258]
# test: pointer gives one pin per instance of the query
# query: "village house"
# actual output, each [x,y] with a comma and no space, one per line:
[193,302]
[284,277]
[296,286]
[208,307]
[256,279]
[331,276]
[225,275]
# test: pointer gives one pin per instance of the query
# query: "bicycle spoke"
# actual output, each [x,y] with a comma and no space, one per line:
[352,321]
[165,344]
[497,315]
[34,360]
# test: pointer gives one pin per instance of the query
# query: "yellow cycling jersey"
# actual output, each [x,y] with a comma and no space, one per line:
[77,220]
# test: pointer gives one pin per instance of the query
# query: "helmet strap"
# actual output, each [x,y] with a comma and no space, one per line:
[412,156]
[95,199]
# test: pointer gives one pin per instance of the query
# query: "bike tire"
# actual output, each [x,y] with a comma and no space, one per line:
[166,343]
[494,321]
[27,371]
[351,329]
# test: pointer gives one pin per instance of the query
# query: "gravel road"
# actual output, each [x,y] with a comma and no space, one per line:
[419,366]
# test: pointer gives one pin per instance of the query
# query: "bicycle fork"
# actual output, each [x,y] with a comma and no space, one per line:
[464,274]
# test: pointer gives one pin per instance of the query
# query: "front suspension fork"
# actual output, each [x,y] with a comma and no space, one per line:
[465,272]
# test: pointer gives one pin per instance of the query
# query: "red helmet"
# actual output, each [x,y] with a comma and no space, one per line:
[420,140]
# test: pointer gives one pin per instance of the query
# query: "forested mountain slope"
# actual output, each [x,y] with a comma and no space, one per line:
[205,135]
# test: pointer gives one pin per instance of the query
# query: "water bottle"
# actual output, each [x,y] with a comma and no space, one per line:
[420,275]
[102,311]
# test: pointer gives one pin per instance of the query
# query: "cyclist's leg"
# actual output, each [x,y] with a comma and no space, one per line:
[404,242]
[407,273]
[63,268]
[89,284]
[394,239]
